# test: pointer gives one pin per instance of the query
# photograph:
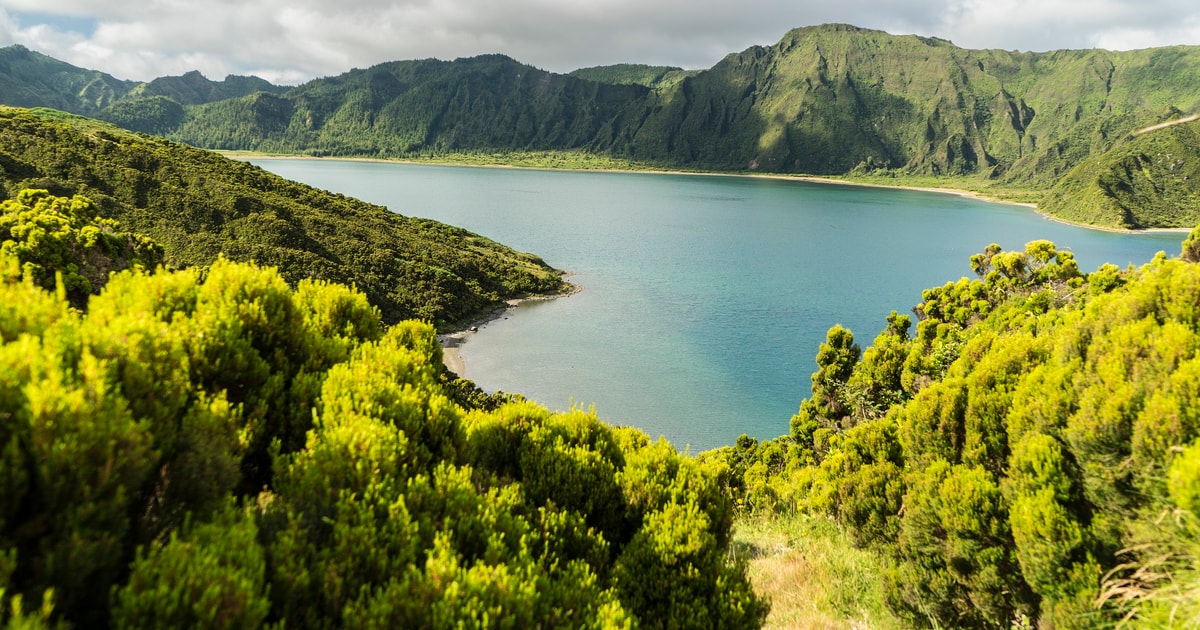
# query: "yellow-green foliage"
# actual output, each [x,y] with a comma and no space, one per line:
[221,450]
[51,236]
[1142,181]
[209,575]
[198,206]
[1043,426]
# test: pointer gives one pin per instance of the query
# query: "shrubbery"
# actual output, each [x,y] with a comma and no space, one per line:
[217,449]
[1020,457]
[198,206]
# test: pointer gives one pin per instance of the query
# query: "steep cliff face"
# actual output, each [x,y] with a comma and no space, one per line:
[829,99]
[405,107]
[1146,180]
[824,99]
[834,98]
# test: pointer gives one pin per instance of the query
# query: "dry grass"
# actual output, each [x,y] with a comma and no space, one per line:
[1160,587]
[813,576]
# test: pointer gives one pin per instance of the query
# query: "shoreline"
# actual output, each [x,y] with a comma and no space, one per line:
[814,179]
[451,342]
[1114,230]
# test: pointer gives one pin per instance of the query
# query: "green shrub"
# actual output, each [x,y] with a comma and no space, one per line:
[209,575]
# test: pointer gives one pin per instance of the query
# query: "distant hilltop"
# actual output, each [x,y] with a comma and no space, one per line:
[828,100]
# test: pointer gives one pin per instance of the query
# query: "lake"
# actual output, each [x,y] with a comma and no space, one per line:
[704,297]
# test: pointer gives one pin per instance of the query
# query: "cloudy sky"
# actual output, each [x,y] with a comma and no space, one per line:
[290,41]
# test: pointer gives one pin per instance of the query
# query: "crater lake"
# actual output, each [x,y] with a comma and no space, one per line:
[704,298]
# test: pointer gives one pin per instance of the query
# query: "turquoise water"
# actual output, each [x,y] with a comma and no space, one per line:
[704,298]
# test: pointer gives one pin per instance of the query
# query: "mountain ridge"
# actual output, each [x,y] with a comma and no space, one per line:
[824,100]
[200,206]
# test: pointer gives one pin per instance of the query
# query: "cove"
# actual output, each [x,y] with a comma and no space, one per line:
[704,297]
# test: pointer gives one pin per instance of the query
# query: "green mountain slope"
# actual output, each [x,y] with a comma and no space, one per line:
[158,107]
[31,79]
[1148,180]
[193,88]
[633,74]
[413,107]
[199,205]
[827,99]
[824,99]
[831,99]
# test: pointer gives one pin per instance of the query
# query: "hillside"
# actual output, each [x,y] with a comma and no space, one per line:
[1147,180]
[633,74]
[216,449]
[831,100]
[405,108]
[31,79]
[1030,457]
[824,100]
[198,205]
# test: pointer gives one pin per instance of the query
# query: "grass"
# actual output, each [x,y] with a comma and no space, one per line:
[567,160]
[1160,587]
[581,160]
[989,188]
[812,574]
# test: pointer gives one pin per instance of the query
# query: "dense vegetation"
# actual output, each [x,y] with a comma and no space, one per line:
[235,444]
[407,108]
[31,79]
[823,100]
[198,205]
[1030,455]
[634,74]
[830,99]
[62,242]
[1147,180]
[221,450]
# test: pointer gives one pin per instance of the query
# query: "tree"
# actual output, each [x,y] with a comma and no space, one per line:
[58,237]
[219,449]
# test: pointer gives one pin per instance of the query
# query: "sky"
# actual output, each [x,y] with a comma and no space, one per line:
[292,41]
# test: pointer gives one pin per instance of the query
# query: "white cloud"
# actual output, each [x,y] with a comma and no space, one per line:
[294,40]
[1049,25]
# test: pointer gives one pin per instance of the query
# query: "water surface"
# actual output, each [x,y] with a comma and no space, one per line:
[704,298]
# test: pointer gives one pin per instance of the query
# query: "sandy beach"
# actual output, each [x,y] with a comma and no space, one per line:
[451,342]
[451,357]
